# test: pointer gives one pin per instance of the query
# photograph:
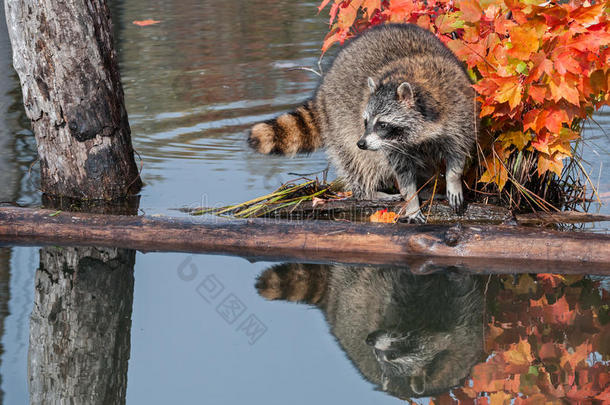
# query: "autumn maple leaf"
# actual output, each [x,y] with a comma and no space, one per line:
[143,23]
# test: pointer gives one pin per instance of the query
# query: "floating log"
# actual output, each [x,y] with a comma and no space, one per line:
[564,217]
[422,248]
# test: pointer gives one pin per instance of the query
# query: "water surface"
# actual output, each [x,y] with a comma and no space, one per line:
[174,328]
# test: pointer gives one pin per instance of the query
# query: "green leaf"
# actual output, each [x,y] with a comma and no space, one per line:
[458,24]
[473,75]
[521,67]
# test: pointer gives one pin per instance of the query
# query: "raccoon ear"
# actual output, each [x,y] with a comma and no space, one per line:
[405,92]
[372,85]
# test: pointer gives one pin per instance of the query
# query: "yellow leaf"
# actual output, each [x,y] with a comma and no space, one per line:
[525,41]
[347,15]
[495,173]
[553,163]
[519,354]
[500,398]
[510,91]
[564,90]
[562,142]
[370,6]
[517,138]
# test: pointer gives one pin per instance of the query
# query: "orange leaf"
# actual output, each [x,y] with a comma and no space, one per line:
[564,62]
[590,42]
[561,143]
[370,6]
[598,81]
[541,65]
[348,13]
[525,41]
[548,350]
[495,173]
[423,21]
[588,15]
[519,354]
[552,119]
[471,10]
[384,216]
[336,35]
[564,90]
[560,312]
[604,397]
[553,279]
[444,23]
[537,93]
[500,398]
[489,376]
[529,119]
[485,87]
[510,91]
[546,163]
[143,23]
[517,138]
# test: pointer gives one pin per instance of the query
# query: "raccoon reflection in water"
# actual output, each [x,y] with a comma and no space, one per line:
[410,335]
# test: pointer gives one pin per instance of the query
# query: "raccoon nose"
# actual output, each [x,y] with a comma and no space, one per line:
[361,143]
[370,340]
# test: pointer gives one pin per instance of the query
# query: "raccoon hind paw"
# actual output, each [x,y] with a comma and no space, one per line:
[417,218]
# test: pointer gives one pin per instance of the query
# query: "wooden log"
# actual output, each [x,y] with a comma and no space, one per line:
[566,217]
[422,248]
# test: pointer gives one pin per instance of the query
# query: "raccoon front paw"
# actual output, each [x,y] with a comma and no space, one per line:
[456,201]
[417,218]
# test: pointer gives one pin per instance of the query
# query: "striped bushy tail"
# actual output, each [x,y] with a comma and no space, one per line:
[294,132]
[294,282]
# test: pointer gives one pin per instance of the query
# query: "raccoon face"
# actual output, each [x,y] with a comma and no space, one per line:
[390,119]
[409,355]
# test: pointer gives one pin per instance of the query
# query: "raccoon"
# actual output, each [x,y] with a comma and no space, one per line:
[410,335]
[395,104]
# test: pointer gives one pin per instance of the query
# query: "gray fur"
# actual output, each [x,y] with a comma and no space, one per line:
[399,76]
[404,76]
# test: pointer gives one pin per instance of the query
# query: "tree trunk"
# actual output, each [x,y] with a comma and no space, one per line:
[64,55]
[80,326]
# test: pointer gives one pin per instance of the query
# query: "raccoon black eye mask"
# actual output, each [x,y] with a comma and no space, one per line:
[406,109]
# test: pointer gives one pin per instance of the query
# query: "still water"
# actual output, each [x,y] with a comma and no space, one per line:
[112,325]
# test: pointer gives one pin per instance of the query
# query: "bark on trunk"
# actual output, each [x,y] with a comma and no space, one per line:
[67,66]
[80,326]
[424,248]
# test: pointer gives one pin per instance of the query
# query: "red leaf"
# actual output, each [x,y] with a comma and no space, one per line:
[537,93]
[588,15]
[564,62]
